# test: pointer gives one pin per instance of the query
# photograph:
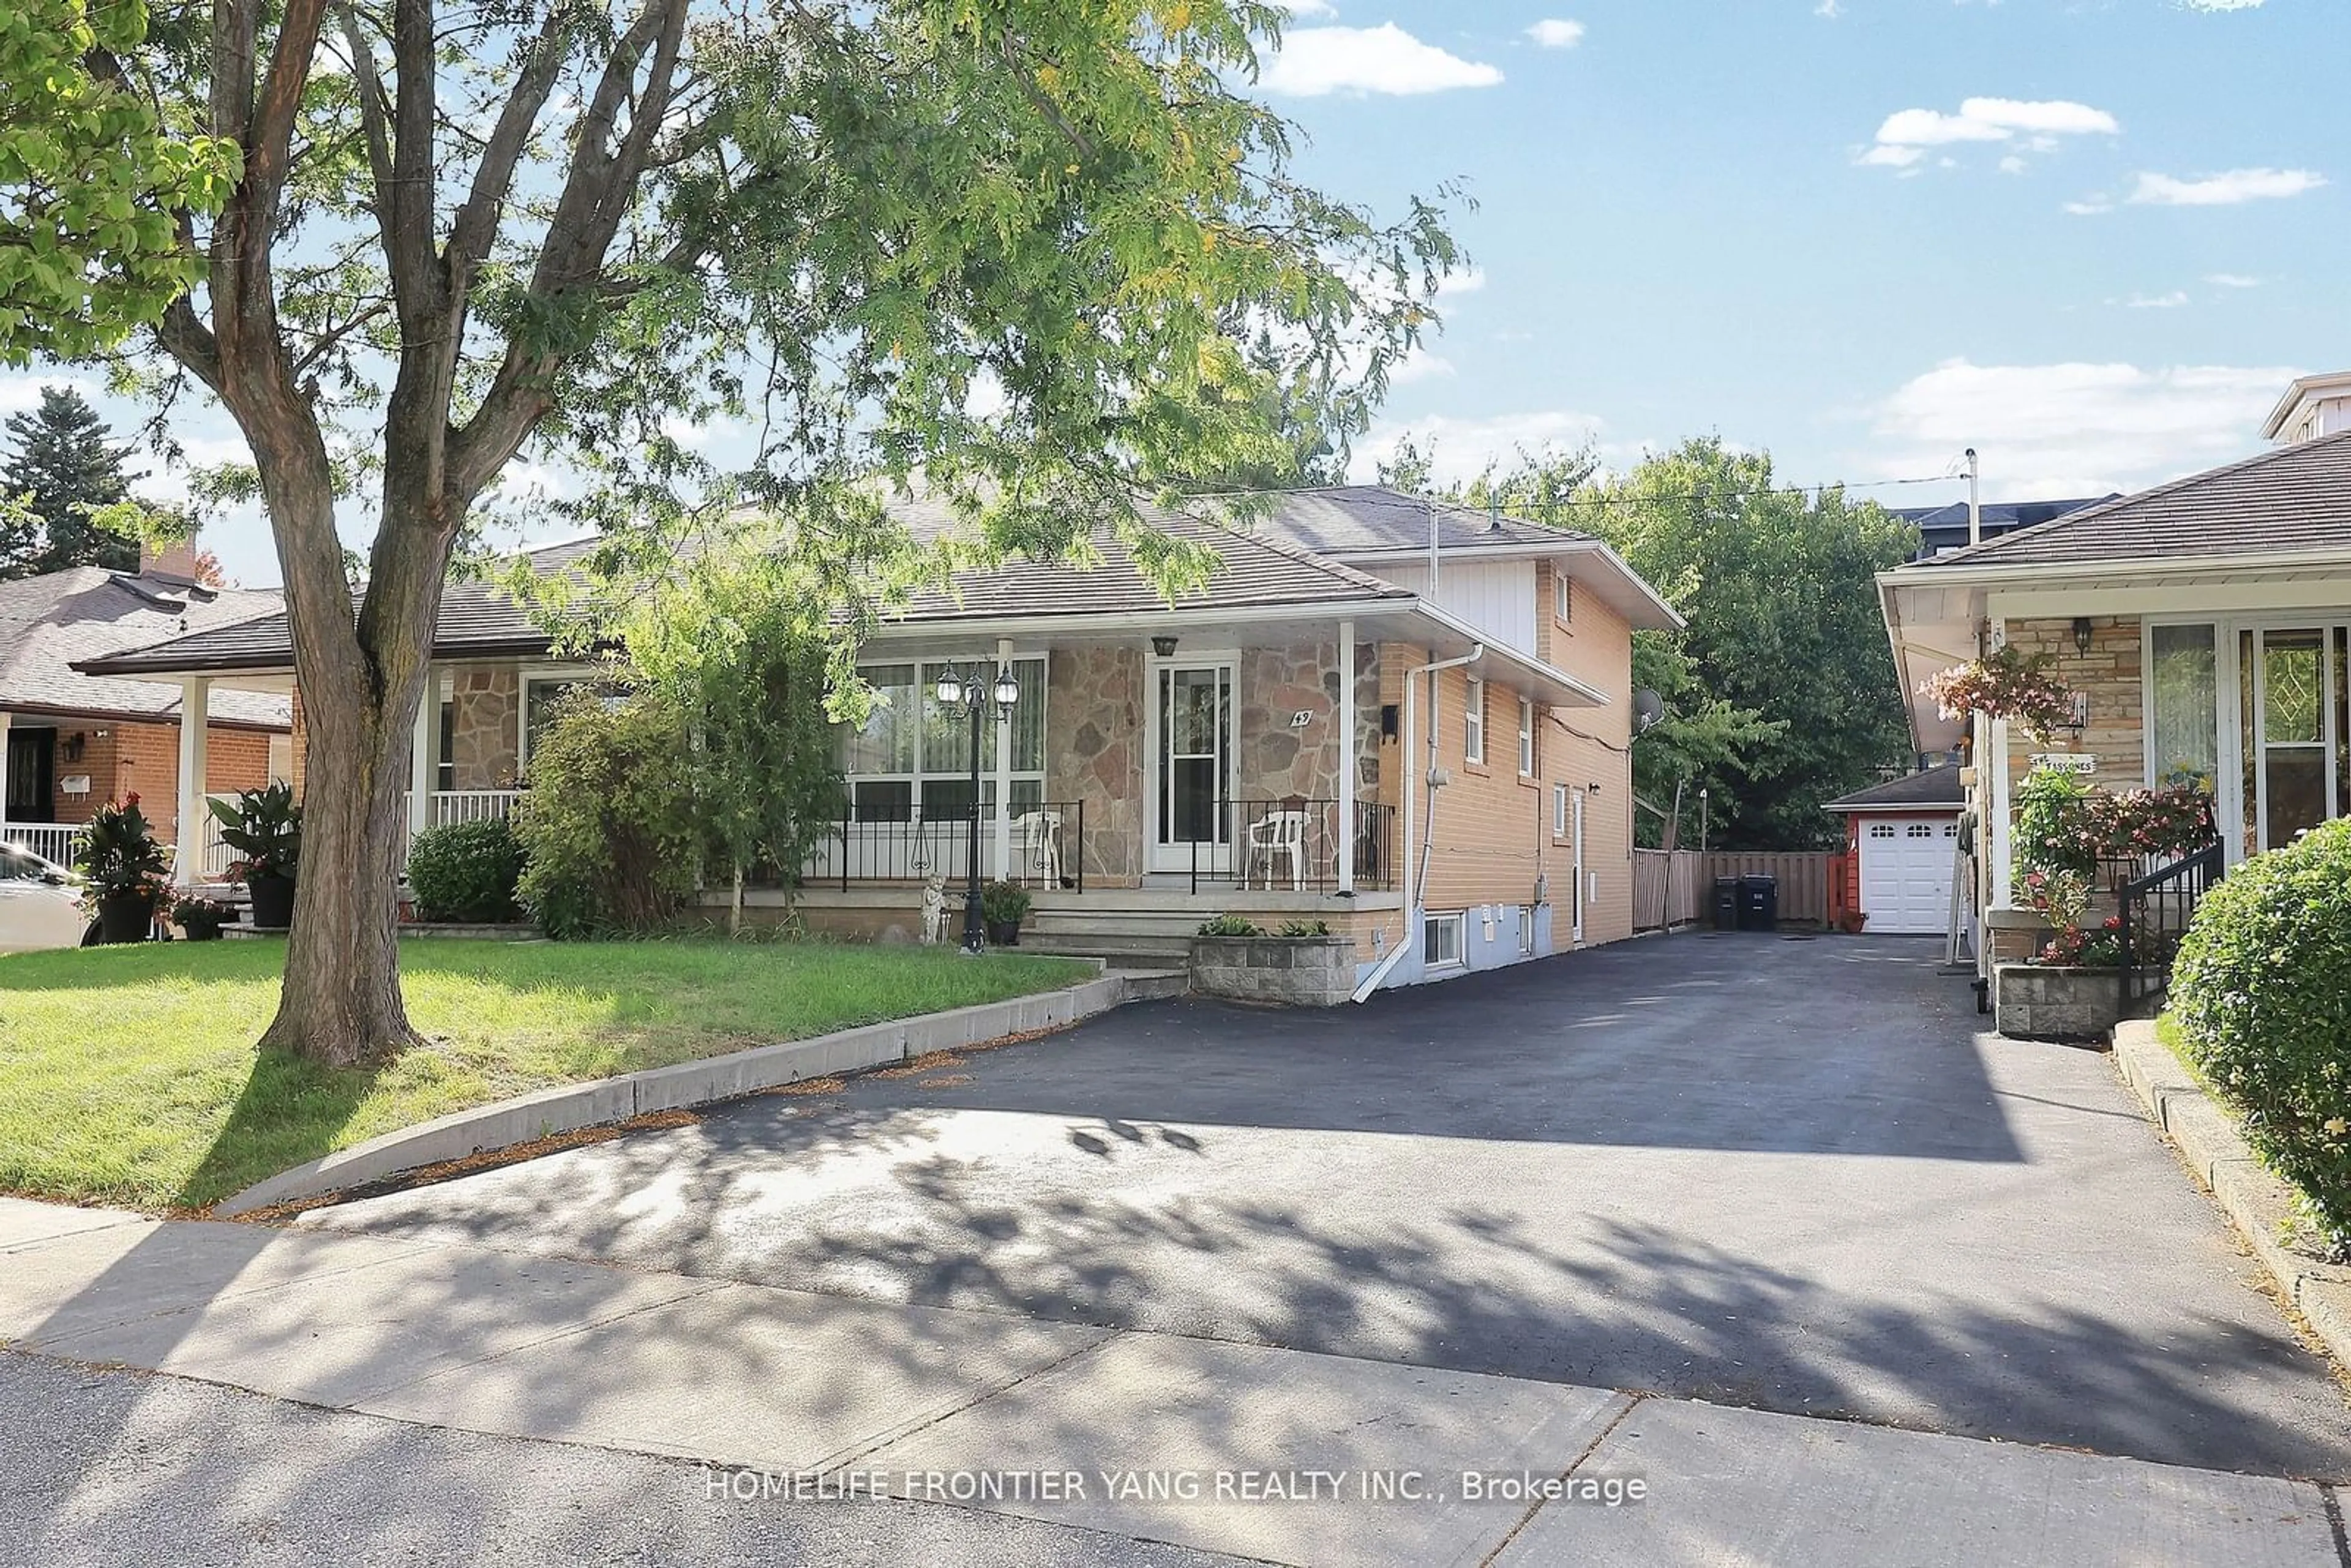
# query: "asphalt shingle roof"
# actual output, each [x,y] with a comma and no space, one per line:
[2290,498]
[1349,519]
[50,623]
[1934,787]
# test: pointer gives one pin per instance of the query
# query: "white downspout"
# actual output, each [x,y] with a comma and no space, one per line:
[1414,881]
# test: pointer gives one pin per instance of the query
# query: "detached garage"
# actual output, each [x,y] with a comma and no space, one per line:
[1905,834]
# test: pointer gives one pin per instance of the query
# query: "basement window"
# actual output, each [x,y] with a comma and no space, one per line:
[1440,940]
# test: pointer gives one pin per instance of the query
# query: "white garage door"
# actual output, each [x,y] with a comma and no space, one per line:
[1905,872]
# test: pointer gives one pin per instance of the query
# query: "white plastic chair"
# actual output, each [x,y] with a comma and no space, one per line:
[1037,846]
[1278,833]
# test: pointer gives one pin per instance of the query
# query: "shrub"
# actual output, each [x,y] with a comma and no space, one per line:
[2261,992]
[607,828]
[1004,904]
[466,870]
[1305,928]
[2054,827]
[1231,925]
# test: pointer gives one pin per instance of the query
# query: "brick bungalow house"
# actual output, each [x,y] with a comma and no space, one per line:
[2205,625]
[75,740]
[1265,745]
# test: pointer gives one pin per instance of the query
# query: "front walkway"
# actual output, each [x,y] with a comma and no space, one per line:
[1068,1424]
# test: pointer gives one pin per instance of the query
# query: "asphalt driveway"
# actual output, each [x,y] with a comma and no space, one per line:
[1786,1173]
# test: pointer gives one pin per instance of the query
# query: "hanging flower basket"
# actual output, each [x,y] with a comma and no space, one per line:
[2010,685]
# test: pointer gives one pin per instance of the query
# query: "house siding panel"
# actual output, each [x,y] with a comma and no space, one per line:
[1496,597]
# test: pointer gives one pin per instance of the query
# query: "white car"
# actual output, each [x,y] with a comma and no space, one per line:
[37,903]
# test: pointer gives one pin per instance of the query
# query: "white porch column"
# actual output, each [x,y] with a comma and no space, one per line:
[421,770]
[1999,829]
[3,765]
[1004,762]
[195,750]
[1347,763]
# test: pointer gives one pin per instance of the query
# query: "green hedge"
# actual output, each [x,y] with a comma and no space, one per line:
[2262,994]
[466,872]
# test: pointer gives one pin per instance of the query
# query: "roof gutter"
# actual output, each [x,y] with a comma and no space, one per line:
[2023,573]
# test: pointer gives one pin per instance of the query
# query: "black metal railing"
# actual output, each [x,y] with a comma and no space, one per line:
[1046,847]
[1289,844]
[2155,910]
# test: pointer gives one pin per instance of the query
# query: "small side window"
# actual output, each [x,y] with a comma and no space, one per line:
[1440,940]
[1562,597]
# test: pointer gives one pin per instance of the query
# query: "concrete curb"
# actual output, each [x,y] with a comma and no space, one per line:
[2255,1201]
[571,1106]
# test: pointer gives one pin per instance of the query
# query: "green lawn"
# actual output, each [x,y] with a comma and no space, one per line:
[128,1075]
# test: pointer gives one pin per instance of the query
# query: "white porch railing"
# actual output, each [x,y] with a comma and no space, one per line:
[50,841]
[445,807]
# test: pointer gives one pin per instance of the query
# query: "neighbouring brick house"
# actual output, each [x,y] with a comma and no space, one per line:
[2204,625]
[74,741]
[1249,746]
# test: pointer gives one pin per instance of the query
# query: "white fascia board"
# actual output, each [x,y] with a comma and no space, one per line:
[1636,596]
[2269,595]
[2120,573]
[1133,624]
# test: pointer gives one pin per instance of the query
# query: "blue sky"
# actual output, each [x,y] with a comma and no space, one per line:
[2093,239]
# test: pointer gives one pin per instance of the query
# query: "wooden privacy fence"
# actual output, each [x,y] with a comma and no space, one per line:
[1669,888]
[1803,880]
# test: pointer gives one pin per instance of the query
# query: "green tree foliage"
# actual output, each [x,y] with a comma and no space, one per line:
[64,466]
[1051,258]
[739,642]
[1780,695]
[98,184]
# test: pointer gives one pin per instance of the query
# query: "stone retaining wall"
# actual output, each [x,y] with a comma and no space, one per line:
[2032,1001]
[1293,971]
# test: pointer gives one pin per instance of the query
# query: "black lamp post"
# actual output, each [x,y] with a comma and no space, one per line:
[971,693]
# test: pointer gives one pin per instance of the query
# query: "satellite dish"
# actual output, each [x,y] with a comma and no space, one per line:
[1649,710]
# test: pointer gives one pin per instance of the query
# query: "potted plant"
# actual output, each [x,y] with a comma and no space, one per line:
[121,868]
[2007,684]
[202,919]
[265,826]
[1003,905]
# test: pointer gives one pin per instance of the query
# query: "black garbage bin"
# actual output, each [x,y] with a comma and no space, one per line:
[1759,902]
[1726,904]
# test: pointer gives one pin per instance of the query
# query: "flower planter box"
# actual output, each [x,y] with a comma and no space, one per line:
[1291,971]
[2036,1001]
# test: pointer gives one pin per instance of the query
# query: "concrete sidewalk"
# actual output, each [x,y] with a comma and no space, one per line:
[1243,1450]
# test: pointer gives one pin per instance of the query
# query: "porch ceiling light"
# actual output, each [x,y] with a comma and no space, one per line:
[1164,646]
[2081,633]
[950,689]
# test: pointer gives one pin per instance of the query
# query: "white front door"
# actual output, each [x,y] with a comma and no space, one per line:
[1191,774]
[1906,873]
[2293,693]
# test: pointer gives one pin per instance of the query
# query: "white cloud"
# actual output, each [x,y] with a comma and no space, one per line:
[1420,364]
[1829,9]
[2231,280]
[2220,5]
[2171,301]
[1306,7]
[1317,61]
[1903,134]
[2223,190]
[1467,281]
[2074,428]
[1554,34]
[2090,206]
[1461,449]
[21,390]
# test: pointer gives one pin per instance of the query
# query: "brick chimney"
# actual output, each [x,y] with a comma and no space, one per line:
[170,563]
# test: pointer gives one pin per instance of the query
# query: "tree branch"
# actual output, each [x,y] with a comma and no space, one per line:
[476,228]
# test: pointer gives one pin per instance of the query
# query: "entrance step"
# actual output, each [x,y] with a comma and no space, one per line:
[1152,984]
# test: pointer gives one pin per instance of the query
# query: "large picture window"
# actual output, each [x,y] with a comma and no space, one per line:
[2184,742]
[912,758]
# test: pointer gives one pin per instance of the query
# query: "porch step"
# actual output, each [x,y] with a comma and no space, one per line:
[1152,985]
[1119,951]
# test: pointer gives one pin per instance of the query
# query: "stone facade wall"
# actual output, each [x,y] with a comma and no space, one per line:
[1275,762]
[2109,675]
[485,748]
[1095,735]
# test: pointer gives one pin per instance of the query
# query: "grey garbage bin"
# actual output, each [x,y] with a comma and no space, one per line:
[1759,902]
[1726,904]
